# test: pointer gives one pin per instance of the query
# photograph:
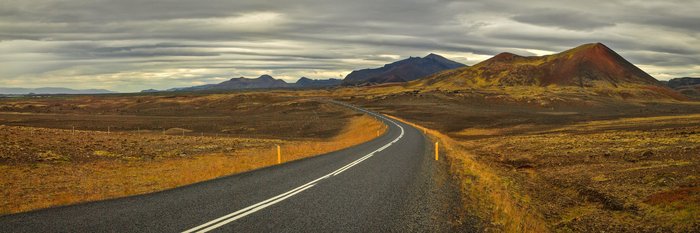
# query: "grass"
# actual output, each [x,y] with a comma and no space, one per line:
[359,130]
[585,167]
[492,197]
[57,180]
[596,175]
[628,174]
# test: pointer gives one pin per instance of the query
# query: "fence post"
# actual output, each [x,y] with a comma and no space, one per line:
[436,151]
[279,154]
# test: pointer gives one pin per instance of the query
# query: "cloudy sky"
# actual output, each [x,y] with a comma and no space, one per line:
[130,45]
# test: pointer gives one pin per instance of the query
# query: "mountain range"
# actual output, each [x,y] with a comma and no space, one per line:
[305,82]
[50,90]
[587,66]
[262,82]
[401,71]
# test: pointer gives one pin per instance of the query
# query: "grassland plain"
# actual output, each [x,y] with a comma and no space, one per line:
[46,163]
[562,162]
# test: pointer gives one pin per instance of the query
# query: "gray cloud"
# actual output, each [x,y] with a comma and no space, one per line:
[129,45]
[564,19]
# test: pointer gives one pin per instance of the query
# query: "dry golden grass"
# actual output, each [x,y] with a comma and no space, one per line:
[492,197]
[359,130]
[40,185]
[606,174]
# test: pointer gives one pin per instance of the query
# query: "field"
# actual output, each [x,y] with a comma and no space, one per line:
[527,160]
[563,163]
[62,150]
[249,114]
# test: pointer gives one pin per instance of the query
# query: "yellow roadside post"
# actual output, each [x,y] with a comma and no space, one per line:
[436,151]
[279,155]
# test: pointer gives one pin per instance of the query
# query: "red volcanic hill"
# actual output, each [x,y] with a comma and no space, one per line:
[589,65]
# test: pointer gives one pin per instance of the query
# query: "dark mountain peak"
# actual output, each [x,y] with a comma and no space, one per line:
[434,56]
[307,82]
[404,70]
[441,59]
[262,82]
[266,77]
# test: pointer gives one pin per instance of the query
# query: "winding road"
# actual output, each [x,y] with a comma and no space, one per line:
[389,184]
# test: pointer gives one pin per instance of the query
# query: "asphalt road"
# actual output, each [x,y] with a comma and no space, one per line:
[389,184]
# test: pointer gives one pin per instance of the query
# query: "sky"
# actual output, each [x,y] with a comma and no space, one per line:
[131,45]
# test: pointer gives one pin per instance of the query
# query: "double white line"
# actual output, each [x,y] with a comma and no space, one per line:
[216,223]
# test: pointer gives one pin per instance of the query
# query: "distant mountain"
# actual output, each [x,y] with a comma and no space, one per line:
[584,66]
[305,82]
[685,81]
[50,90]
[150,91]
[262,82]
[402,71]
[687,86]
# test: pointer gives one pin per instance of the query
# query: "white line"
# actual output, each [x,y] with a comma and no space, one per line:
[253,210]
[245,209]
[263,204]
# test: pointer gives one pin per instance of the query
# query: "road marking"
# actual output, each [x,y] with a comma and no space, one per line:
[216,223]
[253,210]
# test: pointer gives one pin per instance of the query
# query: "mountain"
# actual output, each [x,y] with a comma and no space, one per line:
[262,82]
[687,86]
[304,82]
[681,82]
[589,65]
[402,71]
[50,90]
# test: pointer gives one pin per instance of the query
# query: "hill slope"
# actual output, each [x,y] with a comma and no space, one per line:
[402,71]
[589,65]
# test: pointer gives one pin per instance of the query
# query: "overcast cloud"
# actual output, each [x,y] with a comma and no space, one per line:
[130,45]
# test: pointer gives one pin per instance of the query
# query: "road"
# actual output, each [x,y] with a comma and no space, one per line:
[389,184]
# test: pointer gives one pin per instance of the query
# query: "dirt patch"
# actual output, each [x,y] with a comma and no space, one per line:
[691,194]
